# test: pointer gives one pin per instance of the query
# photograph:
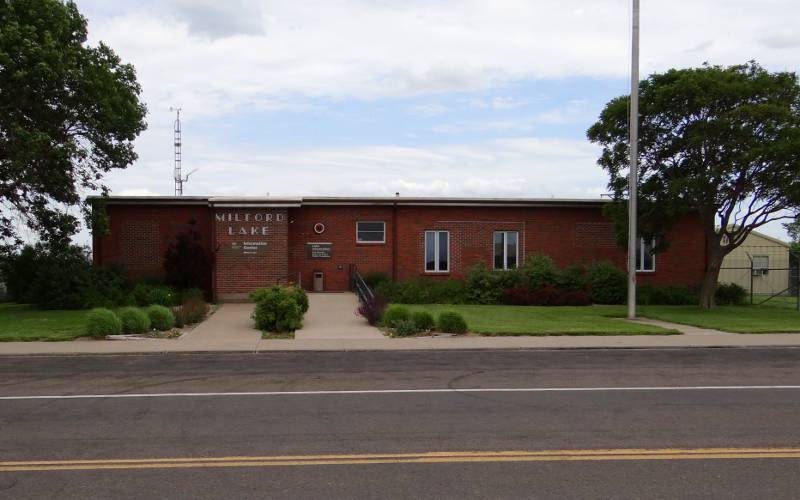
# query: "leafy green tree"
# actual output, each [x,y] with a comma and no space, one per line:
[718,143]
[793,228]
[69,114]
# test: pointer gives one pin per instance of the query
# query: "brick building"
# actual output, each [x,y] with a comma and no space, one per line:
[257,242]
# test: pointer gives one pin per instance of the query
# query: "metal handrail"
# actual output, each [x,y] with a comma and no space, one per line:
[363,291]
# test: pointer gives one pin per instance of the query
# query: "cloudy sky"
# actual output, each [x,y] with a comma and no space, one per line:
[438,97]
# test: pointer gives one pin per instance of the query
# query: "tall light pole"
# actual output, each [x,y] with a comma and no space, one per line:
[633,240]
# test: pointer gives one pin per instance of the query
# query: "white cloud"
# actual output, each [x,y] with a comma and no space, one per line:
[137,192]
[506,167]
[498,102]
[215,19]
[575,111]
[219,59]
[433,109]
[275,54]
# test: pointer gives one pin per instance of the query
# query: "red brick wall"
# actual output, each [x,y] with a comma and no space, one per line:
[140,235]
[568,235]
[251,251]
[684,262]
[340,230]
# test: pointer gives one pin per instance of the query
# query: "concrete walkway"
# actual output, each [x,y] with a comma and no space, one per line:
[333,316]
[230,325]
[684,329]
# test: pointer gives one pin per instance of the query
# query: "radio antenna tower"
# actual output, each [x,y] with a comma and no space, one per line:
[177,174]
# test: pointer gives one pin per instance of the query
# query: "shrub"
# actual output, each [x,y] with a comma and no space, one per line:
[134,320]
[482,285]
[405,328]
[539,271]
[372,309]
[140,293]
[730,294]
[146,294]
[607,283]
[573,298]
[192,292]
[278,309]
[162,295]
[102,322]
[187,264]
[423,291]
[394,314]
[60,277]
[108,288]
[19,273]
[375,278]
[516,296]
[161,318]
[667,295]
[295,292]
[423,320]
[192,310]
[300,296]
[259,293]
[451,322]
[572,277]
[545,296]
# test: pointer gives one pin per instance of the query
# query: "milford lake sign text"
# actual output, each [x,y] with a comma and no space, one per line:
[249,223]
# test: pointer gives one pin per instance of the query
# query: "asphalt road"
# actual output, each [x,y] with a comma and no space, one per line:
[141,431]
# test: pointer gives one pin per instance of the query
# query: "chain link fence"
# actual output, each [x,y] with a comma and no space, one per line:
[768,273]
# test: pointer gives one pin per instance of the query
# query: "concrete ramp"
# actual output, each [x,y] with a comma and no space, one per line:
[333,316]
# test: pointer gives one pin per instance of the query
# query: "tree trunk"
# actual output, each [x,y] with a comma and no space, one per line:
[709,287]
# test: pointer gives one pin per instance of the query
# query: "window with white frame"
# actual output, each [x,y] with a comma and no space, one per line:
[760,265]
[506,249]
[371,232]
[437,251]
[645,258]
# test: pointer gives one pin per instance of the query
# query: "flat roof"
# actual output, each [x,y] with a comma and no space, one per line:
[279,201]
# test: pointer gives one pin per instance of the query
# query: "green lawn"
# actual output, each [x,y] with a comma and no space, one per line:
[782,302]
[24,323]
[739,319]
[532,320]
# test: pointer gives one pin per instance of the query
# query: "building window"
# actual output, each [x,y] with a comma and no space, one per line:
[645,258]
[371,232]
[437,251]
[760,265]
[506,249]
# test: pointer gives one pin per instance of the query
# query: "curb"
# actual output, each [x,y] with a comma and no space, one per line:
[402,351]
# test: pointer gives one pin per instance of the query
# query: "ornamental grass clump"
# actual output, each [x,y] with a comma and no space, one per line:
[161,318]
[404,328]
[394,314]
[451,322]
[134,320]
[423,320]
[101,322]
[193,310]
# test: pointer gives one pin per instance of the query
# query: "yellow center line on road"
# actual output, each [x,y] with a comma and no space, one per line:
[398,458]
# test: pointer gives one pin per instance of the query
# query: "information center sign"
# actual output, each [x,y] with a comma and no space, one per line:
[319,250]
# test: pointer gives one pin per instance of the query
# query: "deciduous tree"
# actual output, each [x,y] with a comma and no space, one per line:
[718,143]
[69,113]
